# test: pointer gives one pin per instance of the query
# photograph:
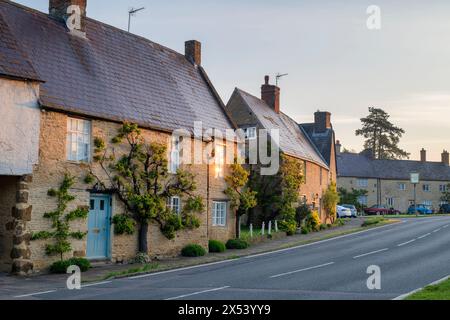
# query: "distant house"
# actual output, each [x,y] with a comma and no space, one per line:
[312,144]
[388,181]
[60,88]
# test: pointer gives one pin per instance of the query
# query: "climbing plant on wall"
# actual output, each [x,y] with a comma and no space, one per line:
[140,179]
[330,200]
[61,219]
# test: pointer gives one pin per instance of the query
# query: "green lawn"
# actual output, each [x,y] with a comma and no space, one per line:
[437,292]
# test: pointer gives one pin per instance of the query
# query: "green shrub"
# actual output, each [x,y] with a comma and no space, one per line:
[290,227]
[123,224]
[372,221]
[305,230]
[323,226]
[193,250]
[339,223]
[216,246]
[301,213]
[313,222]
[61,266]
[237,244]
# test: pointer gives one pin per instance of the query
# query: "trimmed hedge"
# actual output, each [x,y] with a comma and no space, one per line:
[193,250]
[237,244]
[216,246]
[61,266]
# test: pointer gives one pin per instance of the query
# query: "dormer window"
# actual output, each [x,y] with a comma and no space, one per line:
[250,133]
[78,140]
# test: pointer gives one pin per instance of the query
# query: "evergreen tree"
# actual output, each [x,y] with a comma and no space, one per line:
[382,136]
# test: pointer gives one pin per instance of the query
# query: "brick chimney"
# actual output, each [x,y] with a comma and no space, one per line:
[73,12]
[193,52]
[445,158]
[338,147]
[271,95]
[423,155]
[322,121]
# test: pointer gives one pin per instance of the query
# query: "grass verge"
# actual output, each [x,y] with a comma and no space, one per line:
[132,271]
[436,292]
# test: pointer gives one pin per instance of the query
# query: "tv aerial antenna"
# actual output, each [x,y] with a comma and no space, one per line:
[131,13]
[279,76]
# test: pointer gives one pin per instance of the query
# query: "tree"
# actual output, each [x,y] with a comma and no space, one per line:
[330,200]
[446,194]
[352,197]
[140,179]
[382,137]
[61,220]
[242,197]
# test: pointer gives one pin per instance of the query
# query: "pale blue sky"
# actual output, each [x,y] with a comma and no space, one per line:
[334,62]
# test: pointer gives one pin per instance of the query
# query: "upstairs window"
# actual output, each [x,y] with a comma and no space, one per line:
[220,161]
[250,133]
[174,163]
[78,140]
[174,204]
[219,213]
[402,186]
[362,183]
[443,188]
[426,188]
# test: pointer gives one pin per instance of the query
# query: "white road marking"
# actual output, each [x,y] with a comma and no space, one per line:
[406,295]
[446,226]
[196,293]
[370,253]
[437,230]
[35,294]
[405,243]
[424,236]
[321,241]
[95,284]
[301,270]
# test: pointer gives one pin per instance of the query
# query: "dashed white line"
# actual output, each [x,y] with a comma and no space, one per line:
[446,226]
[437,230]
[197,293]
[35,294]
[301,270]
[370,253]
[405,243]
[424,236]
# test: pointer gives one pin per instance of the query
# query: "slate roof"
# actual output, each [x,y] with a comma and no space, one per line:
[360,166]
[323,141]
[14,62]
[112,74]
[293,141]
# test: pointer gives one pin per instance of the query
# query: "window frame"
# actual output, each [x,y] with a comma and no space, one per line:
[219,221]
[426,187]
[171,205]
[175,154]
[248,130]
[402,186]
[362,185]
[85,133]
[219,166]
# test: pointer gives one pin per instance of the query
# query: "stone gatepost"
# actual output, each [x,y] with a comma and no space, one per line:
[21,212]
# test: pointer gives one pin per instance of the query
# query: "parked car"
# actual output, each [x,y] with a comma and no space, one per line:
[445,208]
[420,208]
[343,212]
[352,209]
[378,210]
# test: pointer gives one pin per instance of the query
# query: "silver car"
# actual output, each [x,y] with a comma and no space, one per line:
[352,209]
[343,212]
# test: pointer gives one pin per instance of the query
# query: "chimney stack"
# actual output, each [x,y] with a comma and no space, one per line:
[322,121]
[74,9]
[423,155]
[338,147]
[271,95]
[193,52]
[445,158]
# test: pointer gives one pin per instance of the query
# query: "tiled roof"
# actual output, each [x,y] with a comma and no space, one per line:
[323,141]
[360,166]
[13,60]
[112,74]
[293,141]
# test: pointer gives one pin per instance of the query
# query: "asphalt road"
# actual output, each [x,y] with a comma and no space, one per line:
[411,254]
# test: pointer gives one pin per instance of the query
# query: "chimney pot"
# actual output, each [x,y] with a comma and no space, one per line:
[60,10]
[338,147]
[271,95]
[193,52]
[445,158]
[423,155]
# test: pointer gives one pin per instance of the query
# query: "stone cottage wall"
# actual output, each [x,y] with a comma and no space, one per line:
[8,189]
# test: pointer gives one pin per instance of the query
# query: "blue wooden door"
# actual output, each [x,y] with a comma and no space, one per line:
[99,226]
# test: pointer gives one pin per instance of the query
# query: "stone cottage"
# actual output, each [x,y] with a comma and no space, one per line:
[61,86]
[313,143]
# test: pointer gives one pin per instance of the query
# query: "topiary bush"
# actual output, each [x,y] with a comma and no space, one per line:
[61,266]
[290,227]
[193,250]
[237,244]
[216,246]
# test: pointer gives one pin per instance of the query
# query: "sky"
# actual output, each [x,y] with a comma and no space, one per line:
[334,61]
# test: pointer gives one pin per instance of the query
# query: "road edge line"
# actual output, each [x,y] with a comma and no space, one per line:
[406,295]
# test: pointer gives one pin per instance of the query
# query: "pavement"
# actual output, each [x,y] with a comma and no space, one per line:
[410,255]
